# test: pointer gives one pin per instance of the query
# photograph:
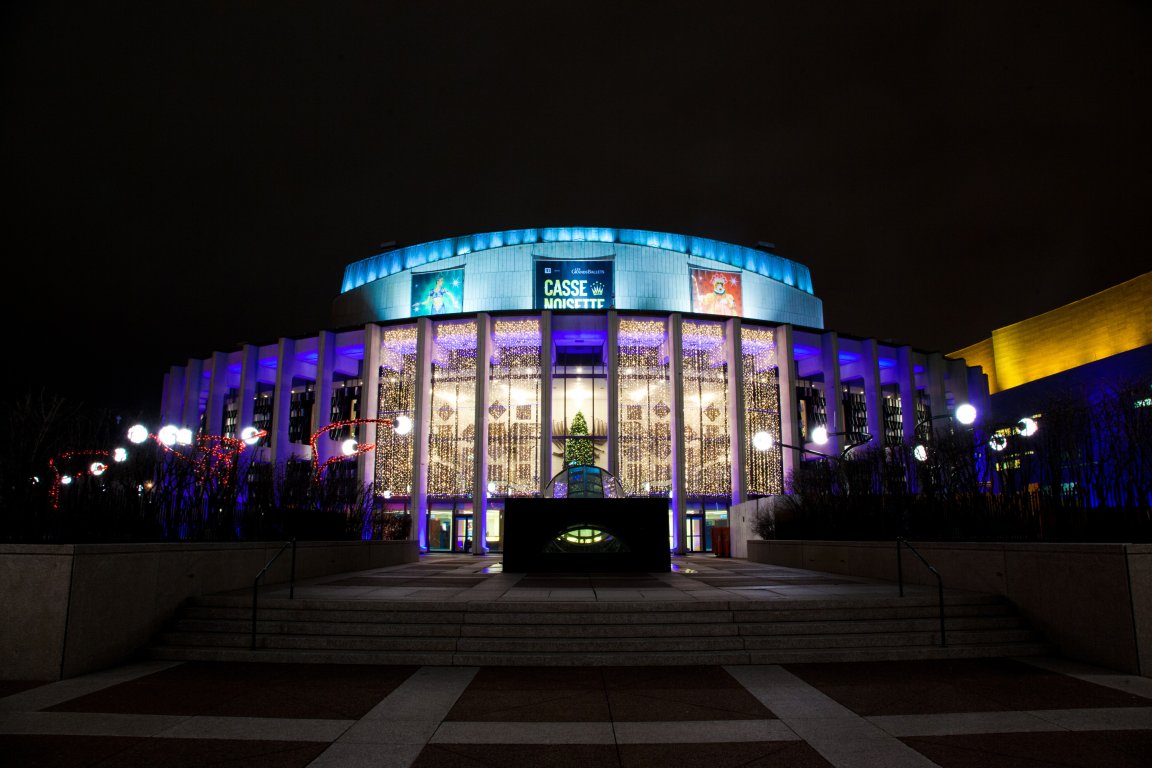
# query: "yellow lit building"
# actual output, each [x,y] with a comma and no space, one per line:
[1110,323]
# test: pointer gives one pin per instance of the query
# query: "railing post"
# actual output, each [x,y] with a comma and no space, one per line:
[940,586]
[899,567]
[255,592]
[292,577]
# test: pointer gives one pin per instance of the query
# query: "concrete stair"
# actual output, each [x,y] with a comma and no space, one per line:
[217,628]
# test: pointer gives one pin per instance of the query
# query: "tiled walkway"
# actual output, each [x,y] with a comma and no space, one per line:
[960,713]
[916,713]
[464,578]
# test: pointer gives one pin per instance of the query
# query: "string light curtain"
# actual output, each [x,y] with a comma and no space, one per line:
[514,408]
[763,468]
[452,432]
[707,447]
[397,398]
[645,411]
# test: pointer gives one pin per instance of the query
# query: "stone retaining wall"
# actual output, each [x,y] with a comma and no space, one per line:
[1092,602]
[74,608]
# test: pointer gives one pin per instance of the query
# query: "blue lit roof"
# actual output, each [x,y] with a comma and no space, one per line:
[761,262]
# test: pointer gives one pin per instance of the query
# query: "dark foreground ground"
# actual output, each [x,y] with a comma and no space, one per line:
[1040,712]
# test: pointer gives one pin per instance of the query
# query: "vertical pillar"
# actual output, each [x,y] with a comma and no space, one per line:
[193,380]
[738,439]
[282,401]
[173,407]
[480,452]
[322,409]
[369,399]
[873,393]
[906,376]
[545,404]
[786,370]
[217,391]
[613,392]
[679,486]
[978,395]
[833,391]
[421,431]
[249,372]
[935,365]
[958,382]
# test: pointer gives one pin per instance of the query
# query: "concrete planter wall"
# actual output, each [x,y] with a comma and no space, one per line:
[1093,602]
[74,608]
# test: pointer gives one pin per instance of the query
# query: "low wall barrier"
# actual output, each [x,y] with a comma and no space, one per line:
[69,609]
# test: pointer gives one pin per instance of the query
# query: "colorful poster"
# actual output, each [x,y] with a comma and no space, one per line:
[437,293]
[571,284]
[716,293]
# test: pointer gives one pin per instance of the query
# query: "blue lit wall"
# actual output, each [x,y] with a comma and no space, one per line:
[651,273]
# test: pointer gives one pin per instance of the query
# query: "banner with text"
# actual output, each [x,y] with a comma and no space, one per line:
[574,284]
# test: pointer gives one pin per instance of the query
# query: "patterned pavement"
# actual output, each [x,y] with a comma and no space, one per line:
[996,712]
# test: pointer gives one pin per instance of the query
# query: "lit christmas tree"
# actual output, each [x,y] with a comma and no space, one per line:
[578,450]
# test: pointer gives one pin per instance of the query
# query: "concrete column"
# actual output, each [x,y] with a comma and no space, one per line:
[173,406]
[217,391]
[679,487]
[545,399]
[193,381]
[613,392]
[421,431]
[906,376]
[873,394]
[326,448]
[786,370]
[833,391]
[957,382]
[281,449]
[737,428]
[480,452]
[978,396]
[936,368]
[249,371]
[369,399]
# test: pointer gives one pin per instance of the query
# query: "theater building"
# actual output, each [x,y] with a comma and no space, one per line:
[689,369]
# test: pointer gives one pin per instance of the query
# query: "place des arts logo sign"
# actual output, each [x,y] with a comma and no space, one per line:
[571,284]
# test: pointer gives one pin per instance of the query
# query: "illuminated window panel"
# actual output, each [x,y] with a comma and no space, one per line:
[397,397]
[452,427]
[762,459]
[514,408]
[707,446]
[645,412]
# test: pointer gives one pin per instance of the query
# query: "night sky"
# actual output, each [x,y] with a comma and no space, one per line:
[187,178]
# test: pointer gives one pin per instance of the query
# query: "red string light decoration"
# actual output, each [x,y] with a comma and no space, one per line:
[317,470]
[54,491]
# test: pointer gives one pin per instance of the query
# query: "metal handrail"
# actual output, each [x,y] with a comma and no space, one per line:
[939,580]
[264,570]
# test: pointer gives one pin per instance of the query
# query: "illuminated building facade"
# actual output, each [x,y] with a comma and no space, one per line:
[664,359]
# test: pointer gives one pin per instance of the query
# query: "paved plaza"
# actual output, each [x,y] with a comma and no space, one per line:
[967,712]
